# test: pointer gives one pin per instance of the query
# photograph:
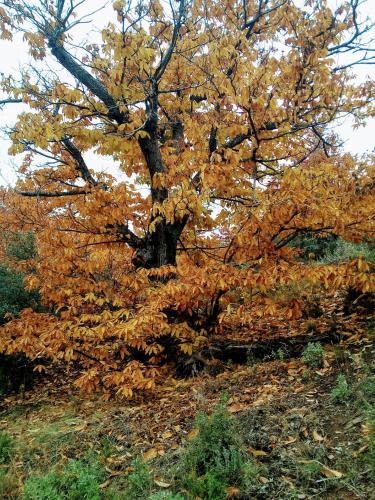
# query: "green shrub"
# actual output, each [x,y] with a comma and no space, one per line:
[77,481]
[367,388]
[313,355]
[341,392]
[215,458]
[139,481]
[6,447]
[346,250]
[13,296]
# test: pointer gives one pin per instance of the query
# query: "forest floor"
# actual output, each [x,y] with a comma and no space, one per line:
[307,429]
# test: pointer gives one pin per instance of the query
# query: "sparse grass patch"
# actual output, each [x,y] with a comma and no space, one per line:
[7,484]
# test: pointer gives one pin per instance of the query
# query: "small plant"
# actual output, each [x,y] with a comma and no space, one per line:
[313,355]
[215,458]
[139,481]
[281,354]
[341,392]
[311,470]
[7,484]
[77,481]
[6,447]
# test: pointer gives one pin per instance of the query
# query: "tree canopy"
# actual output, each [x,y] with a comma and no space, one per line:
[218,116]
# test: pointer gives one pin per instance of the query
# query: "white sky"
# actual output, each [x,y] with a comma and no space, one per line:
[13,55]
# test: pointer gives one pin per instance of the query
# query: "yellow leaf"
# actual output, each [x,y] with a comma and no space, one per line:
[331,473]
[162,483]
[192,434]
[150,454]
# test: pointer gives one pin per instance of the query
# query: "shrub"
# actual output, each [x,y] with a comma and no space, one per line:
[13,296]
[77,481]
[215,458]
[139,481]
[341,392]
[346,251]
[313,355]
[6,448]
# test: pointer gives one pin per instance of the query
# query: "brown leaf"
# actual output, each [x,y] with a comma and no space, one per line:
[150,454]
[317,436]
[162,483]
[331,473]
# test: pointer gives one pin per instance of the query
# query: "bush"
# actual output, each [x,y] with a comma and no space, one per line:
[139,481]
[341,392]
[346,251]
[13,296]
[6,448]
[313,355]
[215,458]
[77,481]
[15,370]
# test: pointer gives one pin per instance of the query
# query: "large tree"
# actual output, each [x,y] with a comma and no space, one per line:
[218,118]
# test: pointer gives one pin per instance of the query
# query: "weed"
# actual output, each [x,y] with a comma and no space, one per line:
[341,392]
[311,470]
[313,355]
[6,447]
[367,388]
[215,459]
[139,481]
[7,484]
[77,481]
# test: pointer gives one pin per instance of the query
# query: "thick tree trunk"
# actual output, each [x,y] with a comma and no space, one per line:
[160,247]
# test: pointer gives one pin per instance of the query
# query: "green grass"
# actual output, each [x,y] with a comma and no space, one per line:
[6,447]
[78,480]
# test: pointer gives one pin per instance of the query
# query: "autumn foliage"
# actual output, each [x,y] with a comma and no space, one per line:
[216,117]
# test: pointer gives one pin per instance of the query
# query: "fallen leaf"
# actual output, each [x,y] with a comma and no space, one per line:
[232,491]
[150,454]
[257,453]
[331,473]
[162,483]
[192,434]
[236,407]
[262,479]
[317,436]
[290,440]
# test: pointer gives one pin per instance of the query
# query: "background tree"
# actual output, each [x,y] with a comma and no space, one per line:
[218,117]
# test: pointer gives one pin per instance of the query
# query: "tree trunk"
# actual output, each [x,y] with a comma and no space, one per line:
[160,247]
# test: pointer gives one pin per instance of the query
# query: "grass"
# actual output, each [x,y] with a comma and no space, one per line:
[78,480]
[280,449]
[6,447]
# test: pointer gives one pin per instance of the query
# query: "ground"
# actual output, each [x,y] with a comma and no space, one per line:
[307,430]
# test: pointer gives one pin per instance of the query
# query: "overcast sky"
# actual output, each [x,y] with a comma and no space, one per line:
[13,55]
